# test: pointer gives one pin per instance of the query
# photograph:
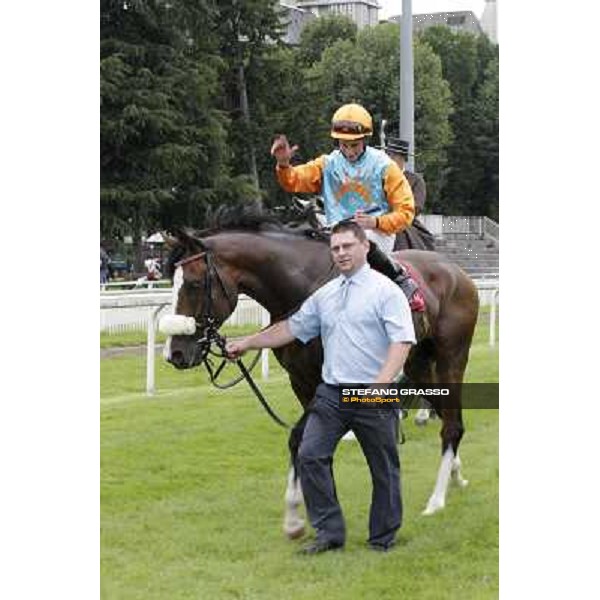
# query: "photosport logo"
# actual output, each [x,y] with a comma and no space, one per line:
[406,395]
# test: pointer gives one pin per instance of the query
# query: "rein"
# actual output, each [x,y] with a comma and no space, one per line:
[211,338]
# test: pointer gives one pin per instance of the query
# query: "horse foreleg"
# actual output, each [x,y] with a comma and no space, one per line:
[293,523]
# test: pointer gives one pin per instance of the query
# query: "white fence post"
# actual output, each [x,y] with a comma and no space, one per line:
[265,319]
[151,350]
[144,306]
[493,318]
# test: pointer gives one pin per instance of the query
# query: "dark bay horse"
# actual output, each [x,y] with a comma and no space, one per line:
[280,268]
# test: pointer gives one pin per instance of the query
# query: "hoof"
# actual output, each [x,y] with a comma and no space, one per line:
[422,417]
[294,534]
[461,483]
[432,508]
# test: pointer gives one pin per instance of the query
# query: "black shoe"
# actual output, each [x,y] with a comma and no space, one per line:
[319,547]
[381,547]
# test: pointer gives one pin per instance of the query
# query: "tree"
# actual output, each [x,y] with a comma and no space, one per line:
[322,33]
[161,140]
[368,72]
[433,132]
[248,31]
[487,140]
[465,59]
[283,102]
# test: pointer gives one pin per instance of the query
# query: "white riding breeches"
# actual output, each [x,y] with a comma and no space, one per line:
[384,241]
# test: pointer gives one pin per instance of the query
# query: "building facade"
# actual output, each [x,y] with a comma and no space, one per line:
[295,19]
[362,12]
[489,20]
[462,20]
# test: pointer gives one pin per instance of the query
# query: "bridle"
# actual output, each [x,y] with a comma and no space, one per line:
[211,343]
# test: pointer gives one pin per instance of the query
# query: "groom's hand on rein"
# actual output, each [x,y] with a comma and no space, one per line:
[235,349]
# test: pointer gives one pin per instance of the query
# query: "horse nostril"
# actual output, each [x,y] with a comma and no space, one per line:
[177,359]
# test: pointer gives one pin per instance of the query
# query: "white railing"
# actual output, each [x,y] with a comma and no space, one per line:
[477,226]
[150,303]
[489,293]
[134,285]
[134,316]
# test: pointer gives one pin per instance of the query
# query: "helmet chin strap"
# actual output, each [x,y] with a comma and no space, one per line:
[357,157]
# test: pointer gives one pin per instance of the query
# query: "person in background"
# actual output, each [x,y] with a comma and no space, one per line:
[417,236]
[104,266]
[153,272]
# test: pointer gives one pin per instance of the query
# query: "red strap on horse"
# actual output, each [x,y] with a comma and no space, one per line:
[417,300]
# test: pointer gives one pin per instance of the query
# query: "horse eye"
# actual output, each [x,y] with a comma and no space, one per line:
[192,284]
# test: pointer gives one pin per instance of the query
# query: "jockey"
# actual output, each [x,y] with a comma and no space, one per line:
[357,182]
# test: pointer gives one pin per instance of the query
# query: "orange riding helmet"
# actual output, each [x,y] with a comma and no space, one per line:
[351,122]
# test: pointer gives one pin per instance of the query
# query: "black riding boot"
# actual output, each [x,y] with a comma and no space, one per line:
[380,262]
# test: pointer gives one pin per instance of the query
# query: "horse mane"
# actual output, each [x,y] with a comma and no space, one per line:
[244,217]
[241,216]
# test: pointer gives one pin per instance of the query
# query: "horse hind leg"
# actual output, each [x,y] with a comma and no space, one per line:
[449,470]
[449,371]
[293,523]
[422,416]
[456,474]
[420,369]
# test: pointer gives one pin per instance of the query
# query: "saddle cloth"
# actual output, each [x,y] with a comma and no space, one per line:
[417,299]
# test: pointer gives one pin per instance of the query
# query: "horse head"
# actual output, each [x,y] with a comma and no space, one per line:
[204,296]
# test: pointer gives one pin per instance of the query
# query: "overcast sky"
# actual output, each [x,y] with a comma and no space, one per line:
[389,8]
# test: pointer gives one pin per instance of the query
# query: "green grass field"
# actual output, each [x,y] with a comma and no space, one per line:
[192,498]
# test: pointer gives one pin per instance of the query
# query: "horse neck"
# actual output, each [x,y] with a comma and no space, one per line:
[277,270]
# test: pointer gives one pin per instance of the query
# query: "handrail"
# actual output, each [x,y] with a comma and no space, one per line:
[154,301]
[136,284]
[491,229]
[450,225]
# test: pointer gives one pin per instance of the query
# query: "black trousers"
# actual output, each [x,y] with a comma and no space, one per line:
[376,431]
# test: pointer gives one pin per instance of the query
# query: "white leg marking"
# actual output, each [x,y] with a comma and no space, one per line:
[437,501]
[457,477]
[177,283]
[422,416]
[293,523]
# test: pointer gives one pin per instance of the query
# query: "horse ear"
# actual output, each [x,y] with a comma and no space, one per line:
[187,238]
[193,240]
[170,241]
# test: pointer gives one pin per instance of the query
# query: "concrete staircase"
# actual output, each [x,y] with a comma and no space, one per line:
[479,257]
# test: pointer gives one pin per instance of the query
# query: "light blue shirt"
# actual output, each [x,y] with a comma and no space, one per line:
[349,186]
[358,317]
